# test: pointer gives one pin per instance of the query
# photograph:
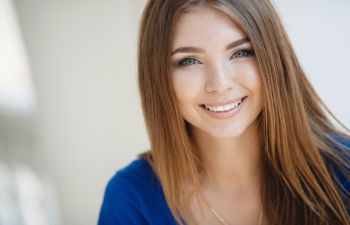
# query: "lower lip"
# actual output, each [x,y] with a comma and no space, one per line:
[226,114]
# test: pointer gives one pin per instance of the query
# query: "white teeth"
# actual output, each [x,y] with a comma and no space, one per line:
[222,108]
[226,107]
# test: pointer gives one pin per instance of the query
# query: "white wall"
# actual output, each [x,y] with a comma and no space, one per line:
[89,120]
[320,32]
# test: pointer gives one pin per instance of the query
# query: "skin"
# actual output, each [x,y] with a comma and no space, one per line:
[230,148]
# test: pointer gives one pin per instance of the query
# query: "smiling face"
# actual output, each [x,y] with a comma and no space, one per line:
[214,74]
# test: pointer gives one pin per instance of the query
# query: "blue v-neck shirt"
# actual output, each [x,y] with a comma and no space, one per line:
[134,196]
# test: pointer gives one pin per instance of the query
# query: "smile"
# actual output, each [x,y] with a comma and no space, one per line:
[223,108]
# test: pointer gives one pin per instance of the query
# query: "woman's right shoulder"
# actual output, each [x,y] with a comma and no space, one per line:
[133,196]
[136,175]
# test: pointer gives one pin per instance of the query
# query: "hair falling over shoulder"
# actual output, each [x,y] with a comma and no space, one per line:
[301,145]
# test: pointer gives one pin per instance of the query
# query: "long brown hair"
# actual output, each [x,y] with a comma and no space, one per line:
[302,148]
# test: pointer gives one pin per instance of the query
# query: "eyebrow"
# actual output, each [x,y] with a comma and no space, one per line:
[187,49]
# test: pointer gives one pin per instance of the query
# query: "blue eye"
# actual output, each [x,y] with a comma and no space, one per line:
[242,53]
[187,62]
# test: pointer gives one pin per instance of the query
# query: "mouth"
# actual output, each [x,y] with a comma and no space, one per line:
[222,108]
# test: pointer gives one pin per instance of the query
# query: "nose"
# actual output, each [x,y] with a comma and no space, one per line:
[219,79]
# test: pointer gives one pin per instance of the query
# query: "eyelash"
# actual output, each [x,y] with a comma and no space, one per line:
[247,53]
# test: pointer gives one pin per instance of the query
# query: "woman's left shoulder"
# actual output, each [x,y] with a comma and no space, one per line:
[343,145]
[343,141]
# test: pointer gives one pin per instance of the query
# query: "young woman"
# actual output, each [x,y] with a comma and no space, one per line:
[238,135]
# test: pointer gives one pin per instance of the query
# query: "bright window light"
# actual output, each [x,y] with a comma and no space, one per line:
[16,87]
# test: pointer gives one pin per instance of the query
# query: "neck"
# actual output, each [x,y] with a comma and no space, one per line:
[231,164]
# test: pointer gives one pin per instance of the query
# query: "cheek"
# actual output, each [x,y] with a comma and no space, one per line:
[187,85]
[250,77]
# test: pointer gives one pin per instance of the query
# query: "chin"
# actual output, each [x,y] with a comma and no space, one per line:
[226,133]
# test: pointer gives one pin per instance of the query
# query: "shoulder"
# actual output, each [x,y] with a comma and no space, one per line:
[133,196]
[342,175]
[343,141]
[135,175]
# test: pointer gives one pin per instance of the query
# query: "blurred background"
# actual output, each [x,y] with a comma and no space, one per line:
[70,113]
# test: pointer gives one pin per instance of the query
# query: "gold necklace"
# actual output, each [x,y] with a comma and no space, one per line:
[222,220]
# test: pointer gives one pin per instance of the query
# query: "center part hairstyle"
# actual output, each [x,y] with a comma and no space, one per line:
[301,146]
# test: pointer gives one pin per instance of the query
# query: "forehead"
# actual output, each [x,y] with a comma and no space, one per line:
[204,23]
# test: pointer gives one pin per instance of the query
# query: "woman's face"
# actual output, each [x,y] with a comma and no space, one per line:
[214,74]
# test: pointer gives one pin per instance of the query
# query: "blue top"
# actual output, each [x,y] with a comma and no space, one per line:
[134,197]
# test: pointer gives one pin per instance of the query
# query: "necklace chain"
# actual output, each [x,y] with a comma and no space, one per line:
[222,220]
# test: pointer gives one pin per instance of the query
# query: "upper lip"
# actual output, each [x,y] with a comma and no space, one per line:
[220,103]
